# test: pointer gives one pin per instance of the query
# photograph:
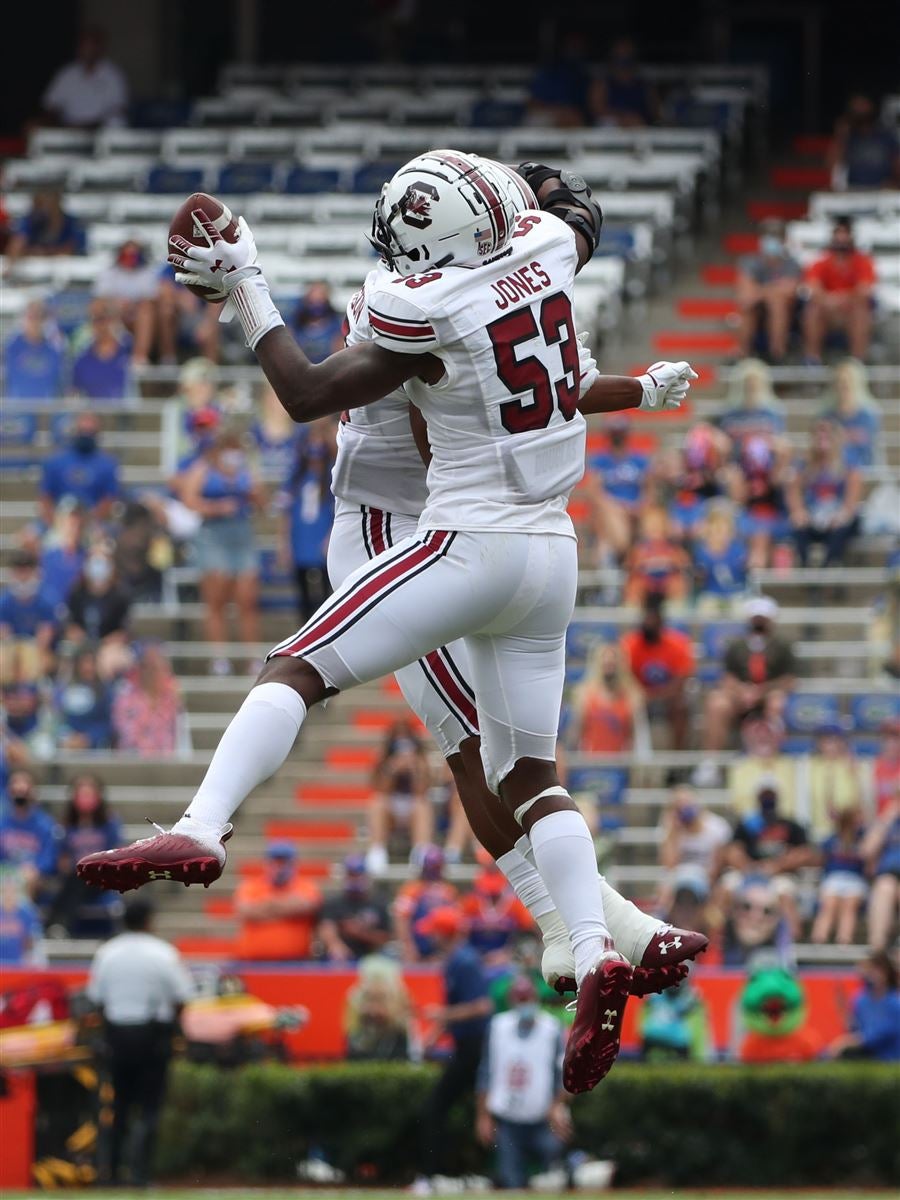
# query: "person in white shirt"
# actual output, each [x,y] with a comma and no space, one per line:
[140,984]
[91,92]
[691,846]
[522,1107]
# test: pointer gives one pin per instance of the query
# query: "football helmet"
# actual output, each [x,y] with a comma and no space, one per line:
[447,207]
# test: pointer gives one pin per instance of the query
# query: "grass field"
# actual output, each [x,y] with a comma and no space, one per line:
[361,1194]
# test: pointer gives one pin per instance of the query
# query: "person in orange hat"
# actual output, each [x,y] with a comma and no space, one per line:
[464,1016]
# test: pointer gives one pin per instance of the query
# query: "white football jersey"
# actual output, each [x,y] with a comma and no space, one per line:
[378,463]
[506,436]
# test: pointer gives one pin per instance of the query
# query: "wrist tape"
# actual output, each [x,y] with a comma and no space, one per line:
[255,309]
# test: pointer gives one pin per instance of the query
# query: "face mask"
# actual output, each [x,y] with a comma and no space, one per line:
[759,625]
[610,678]
[84,443]
[771,247]
[131,257]
[618,438]
[98,570]
[768,806]
[688,814]
[231,460]
[651,633]
[527,1012]
[841,248]
[23,589]
[281,875]
[21,799]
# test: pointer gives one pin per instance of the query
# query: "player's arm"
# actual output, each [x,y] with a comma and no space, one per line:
[567,196]
[663,386]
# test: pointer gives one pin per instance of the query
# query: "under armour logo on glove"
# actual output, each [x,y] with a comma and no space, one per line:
[666,385]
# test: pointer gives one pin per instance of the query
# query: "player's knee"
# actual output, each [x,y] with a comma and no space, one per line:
[298,674]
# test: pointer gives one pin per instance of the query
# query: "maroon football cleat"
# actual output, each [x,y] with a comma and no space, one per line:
[173,856]
[596,1034]
[669,947]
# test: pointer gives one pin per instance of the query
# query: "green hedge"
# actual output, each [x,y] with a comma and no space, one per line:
[831,1124]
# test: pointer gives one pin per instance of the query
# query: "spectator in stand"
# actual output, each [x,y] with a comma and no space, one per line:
[558,91]
[29,837]
[769,845]
[657,563]
[27,717]
[762,763]
[377,1015]
[881,849]
[20,921]
[131,282]
[143,551]
[356,922]
[843,888]
[82,471]
[34,357]
[767,287]
[98,606]
[223,489]
[755,931]
[852,406]
[183,321]
[102,371]
[621,96]
[758,487]
[276,438]
[495,916]
[278,910]
[29,622]
[83,703]
[147,706]
[416,899]
[88,825]
[5,228]
[615,483]
[834,782]
[308,516]
[91,92]
[841,285]
[701,475]
[522,1108]
[464,1016]
[47,230]
[824,497]
[198,394]
[661,659]
[607,707]
[399,800]
[864,152]
[875,1019]
[317,325]
[720,560]
[752,408]
[691,847]
[759,669]
[63,554]
[886,772]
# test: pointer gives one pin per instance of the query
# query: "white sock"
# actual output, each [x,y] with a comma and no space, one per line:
[631,928]
[564,854]
[253,747]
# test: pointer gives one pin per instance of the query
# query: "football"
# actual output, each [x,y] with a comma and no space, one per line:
[186,225]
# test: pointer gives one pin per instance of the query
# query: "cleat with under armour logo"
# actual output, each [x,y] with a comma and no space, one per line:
[670,946]
[596,1033]
[166,856]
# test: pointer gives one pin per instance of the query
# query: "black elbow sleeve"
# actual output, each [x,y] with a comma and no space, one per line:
[571,201]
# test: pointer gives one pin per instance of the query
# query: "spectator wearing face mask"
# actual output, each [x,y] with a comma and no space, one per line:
[661,659]
[691,846]
[615,487]
[98,607]
[34,358]
[82,471]
[356,922]
[47,230]
[607,707]
[759,669]
[224,491]
[20,921]
[399,803]
[83,703]
[63,554]
[278,910]
[841,285]
[621,96]
[132,284]
[875,1014]
[147,706]
[864,152]
[767,284]
[308,514]
[88,826]
[29,837]
[29,622]
[102,371]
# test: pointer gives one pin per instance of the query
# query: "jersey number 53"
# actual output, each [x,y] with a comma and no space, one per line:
[528,373]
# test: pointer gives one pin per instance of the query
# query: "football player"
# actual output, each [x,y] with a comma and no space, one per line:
[474,317]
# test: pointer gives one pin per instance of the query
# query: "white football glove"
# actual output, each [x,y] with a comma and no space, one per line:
[219,265]
[587,365]
[665,385]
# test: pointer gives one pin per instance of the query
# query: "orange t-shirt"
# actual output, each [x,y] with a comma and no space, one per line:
[606,725]
[280,937]
[654,664]
[842,272]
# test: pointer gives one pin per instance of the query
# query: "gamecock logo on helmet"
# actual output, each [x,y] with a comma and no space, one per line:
[415,206]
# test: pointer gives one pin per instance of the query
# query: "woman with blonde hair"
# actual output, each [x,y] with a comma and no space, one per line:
[824,497]
[751,406]
[852,406]
[377,1014]
[608,706]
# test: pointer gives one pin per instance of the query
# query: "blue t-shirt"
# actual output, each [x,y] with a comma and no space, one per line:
[32,839]
[86,710]
[90,478]
[622,475]
[889,859]
[217,485]
[723,573]
[743,423]
[19,928]
[837,857]
[33,371]
[860,436]
[35,227]
[317,338]
[89,839]
[103,378]
[877,1020]
[311,516]
[276,456]
[60,571]
[24,615]
[869,157]
[464,981]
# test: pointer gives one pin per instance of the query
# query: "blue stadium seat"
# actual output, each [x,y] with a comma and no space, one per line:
[18,431]
[496,114]
[807,713]
[175,180]
[304,181]
[370,177]
[873,710]
[244,178]
[582,636]
[617,242]
[607,783]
